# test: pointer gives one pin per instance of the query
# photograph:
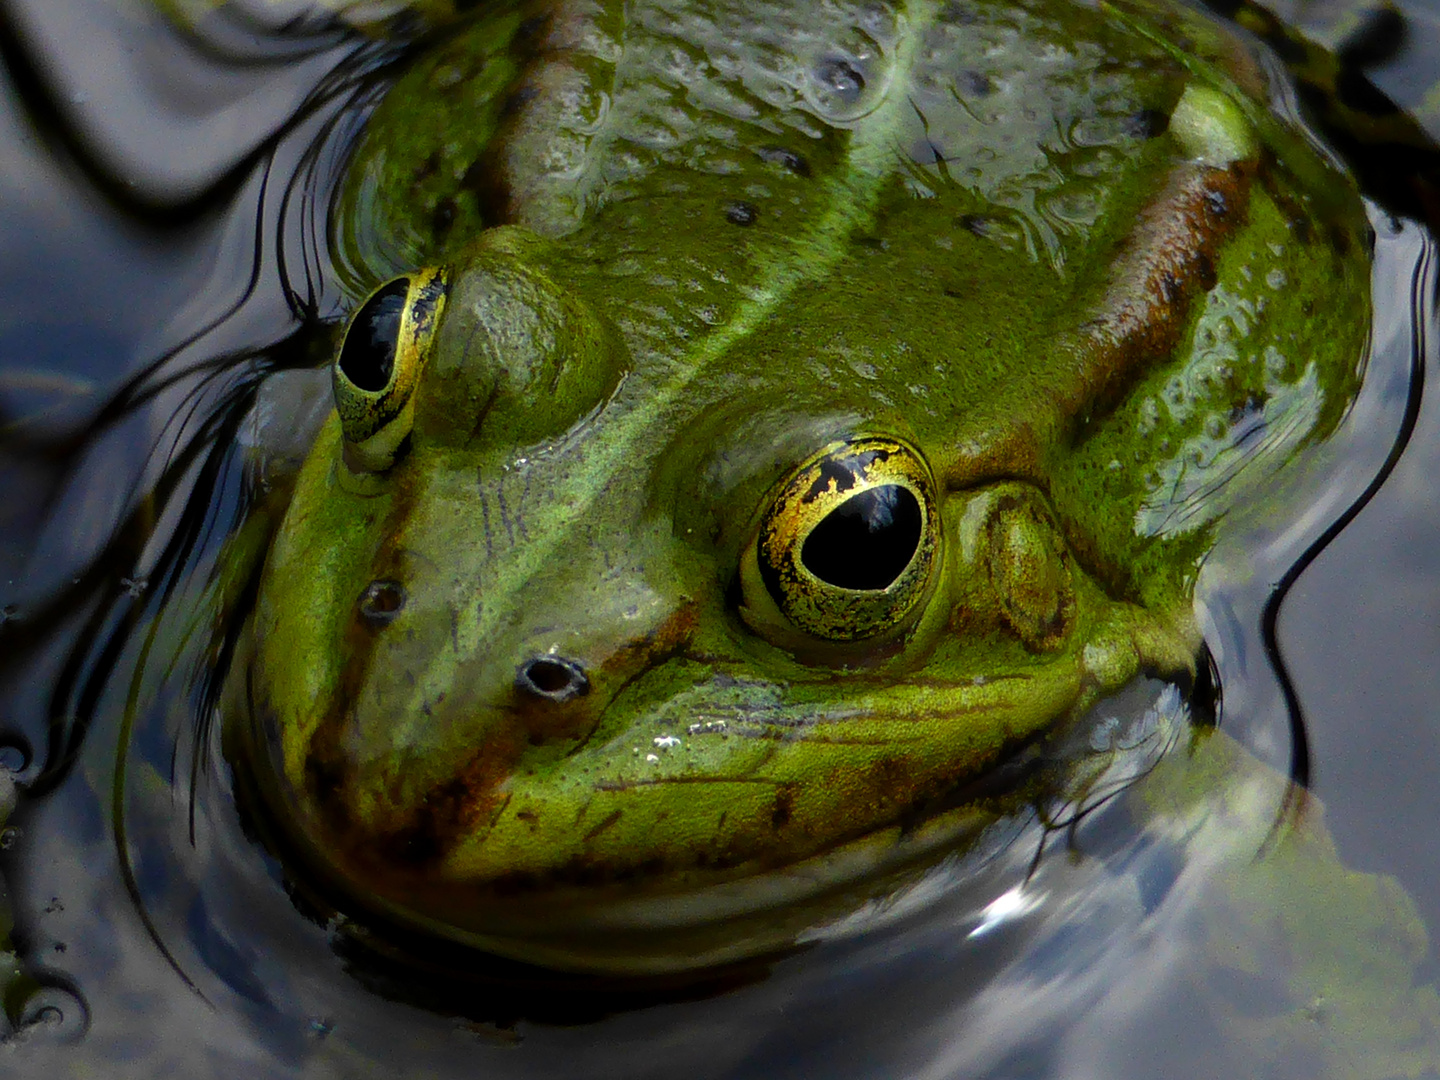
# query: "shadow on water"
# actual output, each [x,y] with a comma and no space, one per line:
[76,643]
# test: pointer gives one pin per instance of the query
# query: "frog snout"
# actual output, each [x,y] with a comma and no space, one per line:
[551,678]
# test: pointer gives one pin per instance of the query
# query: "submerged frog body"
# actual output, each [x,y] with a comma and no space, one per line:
[805,409]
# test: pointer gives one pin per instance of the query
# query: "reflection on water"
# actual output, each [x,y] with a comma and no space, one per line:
[1181,903]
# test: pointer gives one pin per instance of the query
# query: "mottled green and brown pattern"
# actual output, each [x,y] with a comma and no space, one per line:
[536,681]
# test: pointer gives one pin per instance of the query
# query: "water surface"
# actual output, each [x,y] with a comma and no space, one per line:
[162,203]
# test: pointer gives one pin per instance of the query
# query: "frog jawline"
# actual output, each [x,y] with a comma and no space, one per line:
[614,930]
[713,925]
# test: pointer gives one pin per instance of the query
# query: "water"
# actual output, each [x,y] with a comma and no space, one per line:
[164,228]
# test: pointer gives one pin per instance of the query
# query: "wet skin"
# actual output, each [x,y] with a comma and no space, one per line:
[803,411]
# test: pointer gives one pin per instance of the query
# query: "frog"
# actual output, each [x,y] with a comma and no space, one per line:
[761,429]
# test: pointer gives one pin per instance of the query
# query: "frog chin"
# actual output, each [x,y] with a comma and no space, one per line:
[619,929]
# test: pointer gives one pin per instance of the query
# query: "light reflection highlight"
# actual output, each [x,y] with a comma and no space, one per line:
[1007,907]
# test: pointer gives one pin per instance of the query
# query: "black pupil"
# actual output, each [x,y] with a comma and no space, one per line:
[867,541]
[369,351]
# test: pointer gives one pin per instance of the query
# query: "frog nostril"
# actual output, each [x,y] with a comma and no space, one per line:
[381,602]
[552,678]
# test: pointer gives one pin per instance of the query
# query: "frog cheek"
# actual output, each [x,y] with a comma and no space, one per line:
[1029,567]
[379,364]
[846,551]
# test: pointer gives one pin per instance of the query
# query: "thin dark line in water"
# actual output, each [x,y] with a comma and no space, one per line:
[69,728]
[117,813]
[312,175]
[53,127]
[213,677]
[135,530]
[1072,812]
[1300,760]
[85,674]
[148,383]
[129,537]
[194,454]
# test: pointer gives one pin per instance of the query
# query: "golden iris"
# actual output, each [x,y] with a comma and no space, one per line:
[847,546]
[379,364]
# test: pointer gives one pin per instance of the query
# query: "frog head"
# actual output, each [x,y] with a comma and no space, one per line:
[673,570]
[550,640]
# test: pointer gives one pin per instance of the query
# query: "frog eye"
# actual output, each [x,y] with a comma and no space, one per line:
[846,549]
[375,374]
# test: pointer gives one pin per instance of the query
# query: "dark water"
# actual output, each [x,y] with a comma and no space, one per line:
[162,204]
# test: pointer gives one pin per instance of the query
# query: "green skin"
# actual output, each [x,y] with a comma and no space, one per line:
[1060,288]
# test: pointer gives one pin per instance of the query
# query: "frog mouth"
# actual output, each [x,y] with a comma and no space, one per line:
[652,918]
[419,844]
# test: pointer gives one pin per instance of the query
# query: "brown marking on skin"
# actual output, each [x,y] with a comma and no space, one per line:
[565,61]
[600,828]
[672,638]
[328,770]
[579,718]
[1169,260]
[1137,320]
[485,179]
[666,640]
[784,804]
[460,806]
